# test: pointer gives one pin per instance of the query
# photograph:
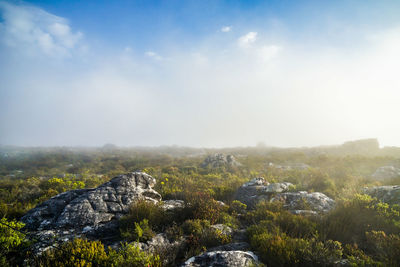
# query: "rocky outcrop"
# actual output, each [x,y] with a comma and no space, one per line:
[170,205]
[161,245]
[299,202]
[244,246]
[386,172]
[302,202]
[219,160]
[222,228]
[258,189]
[389,194]
[92,211]
[290,166]
[233,258]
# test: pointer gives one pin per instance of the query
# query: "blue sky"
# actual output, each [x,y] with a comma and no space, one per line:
[198,73]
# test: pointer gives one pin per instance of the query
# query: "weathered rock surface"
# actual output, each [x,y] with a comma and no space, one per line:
[170,205]
[91,210]
[221,258]
[386,172]
[224,229]
[290,166]
[300,202]
[258,189]
[161,245]
[244,246]
[389,194]
[219,160]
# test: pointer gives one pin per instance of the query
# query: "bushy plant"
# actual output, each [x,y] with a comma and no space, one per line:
[385,248]
[237,207]
[203,206]
[157,218]
[131,255]
[11,241]
[352,218]
[79,252]
[278,249]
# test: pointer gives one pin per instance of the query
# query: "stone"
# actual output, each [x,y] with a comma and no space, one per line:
[255,182]
[224,229]
[170,205]
[161,245]
[302,200]
[232,246]
[234,258]
[389,193]
[277,187]
[290,166]
[219,160]
[257,190]
[92,211]
[386,173]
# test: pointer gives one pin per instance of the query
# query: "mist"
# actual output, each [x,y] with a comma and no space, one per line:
[235,86]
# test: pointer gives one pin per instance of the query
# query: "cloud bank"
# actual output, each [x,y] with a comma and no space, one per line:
[224,91]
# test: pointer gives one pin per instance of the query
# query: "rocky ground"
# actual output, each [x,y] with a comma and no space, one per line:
[94,214]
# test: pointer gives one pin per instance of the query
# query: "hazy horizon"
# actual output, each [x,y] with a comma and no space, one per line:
[199,73]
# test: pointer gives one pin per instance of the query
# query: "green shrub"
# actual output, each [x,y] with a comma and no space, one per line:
[79,252]
[351,219]
[12,241]
[141,232]
[385,248]
[156,219]
[203,206]
[131,255]
[278,249]
[237,207]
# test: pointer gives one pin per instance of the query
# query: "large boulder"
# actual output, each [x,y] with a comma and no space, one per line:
[305,203]
[389,193]
[258,189]
[299,202]
[219,160]
[386,172]
[91,210]
[234,258]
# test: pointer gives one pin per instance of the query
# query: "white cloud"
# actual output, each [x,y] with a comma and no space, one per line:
[226,28]
[33,29]
[153,55]
[247,39]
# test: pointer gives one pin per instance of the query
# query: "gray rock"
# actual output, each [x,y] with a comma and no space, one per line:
[302,200]
[92,210]
[161,245]
[219,160]
[304,212]
[290,166]
[255,182]
[232,246]
[224,229]
[277,187]
[172,204]
[386,172]
[389,194]
[234,258]
[255,191]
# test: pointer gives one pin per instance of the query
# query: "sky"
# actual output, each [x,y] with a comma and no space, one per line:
[199,73]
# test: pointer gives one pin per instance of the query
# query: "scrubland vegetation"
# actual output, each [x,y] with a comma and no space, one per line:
[361,229]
